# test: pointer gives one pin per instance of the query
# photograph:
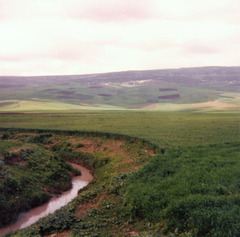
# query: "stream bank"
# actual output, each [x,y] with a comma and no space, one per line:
[28,218]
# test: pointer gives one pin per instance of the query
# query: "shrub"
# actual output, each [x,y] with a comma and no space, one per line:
[41,138]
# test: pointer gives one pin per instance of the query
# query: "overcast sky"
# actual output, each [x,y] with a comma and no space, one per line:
[44,37]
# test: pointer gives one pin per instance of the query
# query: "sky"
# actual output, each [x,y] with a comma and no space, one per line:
[54,37]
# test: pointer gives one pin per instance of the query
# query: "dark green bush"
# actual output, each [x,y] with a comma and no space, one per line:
[40,139]
[59,221]
[22,187]
[5,136]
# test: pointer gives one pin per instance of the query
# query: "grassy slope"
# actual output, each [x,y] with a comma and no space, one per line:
[76,96]
[45,104]
[126,90]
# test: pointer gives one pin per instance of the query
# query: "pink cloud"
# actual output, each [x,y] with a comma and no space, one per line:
[202,49]
[84,36]
[112,11]
[10,58]
[98,10]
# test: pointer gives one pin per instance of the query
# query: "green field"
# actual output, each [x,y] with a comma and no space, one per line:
[163,128]
[190,190]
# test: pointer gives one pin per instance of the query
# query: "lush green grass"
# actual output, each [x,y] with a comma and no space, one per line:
[194,190]
[5,146]
[166,129]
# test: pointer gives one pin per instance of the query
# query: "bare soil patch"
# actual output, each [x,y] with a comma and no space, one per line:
[168,89]
[65,97]
[215,104]
[151,106]
[83,208]
[63,234]
[111,149]
[2,104]
[105,95]
[224,96]
[50,90]
[83,97]
[14,113]
[173,96]
[64,92]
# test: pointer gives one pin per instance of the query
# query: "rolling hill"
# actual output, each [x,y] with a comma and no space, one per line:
[203,88]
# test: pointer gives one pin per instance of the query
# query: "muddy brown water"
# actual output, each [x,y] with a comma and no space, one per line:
[28,218]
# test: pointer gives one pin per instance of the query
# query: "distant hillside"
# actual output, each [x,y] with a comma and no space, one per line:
[123,90]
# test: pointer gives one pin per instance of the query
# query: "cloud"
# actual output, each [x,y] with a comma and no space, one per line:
[73,37]
[95,10]
[111,10]
[202,49]
[120,10]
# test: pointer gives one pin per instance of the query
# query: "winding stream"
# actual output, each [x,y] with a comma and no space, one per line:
[28,218]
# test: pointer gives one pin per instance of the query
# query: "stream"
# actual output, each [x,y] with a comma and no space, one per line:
[28,218]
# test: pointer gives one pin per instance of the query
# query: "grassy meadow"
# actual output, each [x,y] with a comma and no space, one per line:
[168,129]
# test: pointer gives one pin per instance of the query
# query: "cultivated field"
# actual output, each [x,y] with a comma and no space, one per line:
[210,88]
[163,128]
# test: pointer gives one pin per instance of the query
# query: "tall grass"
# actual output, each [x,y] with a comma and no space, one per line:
[193,190]
[165,129]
